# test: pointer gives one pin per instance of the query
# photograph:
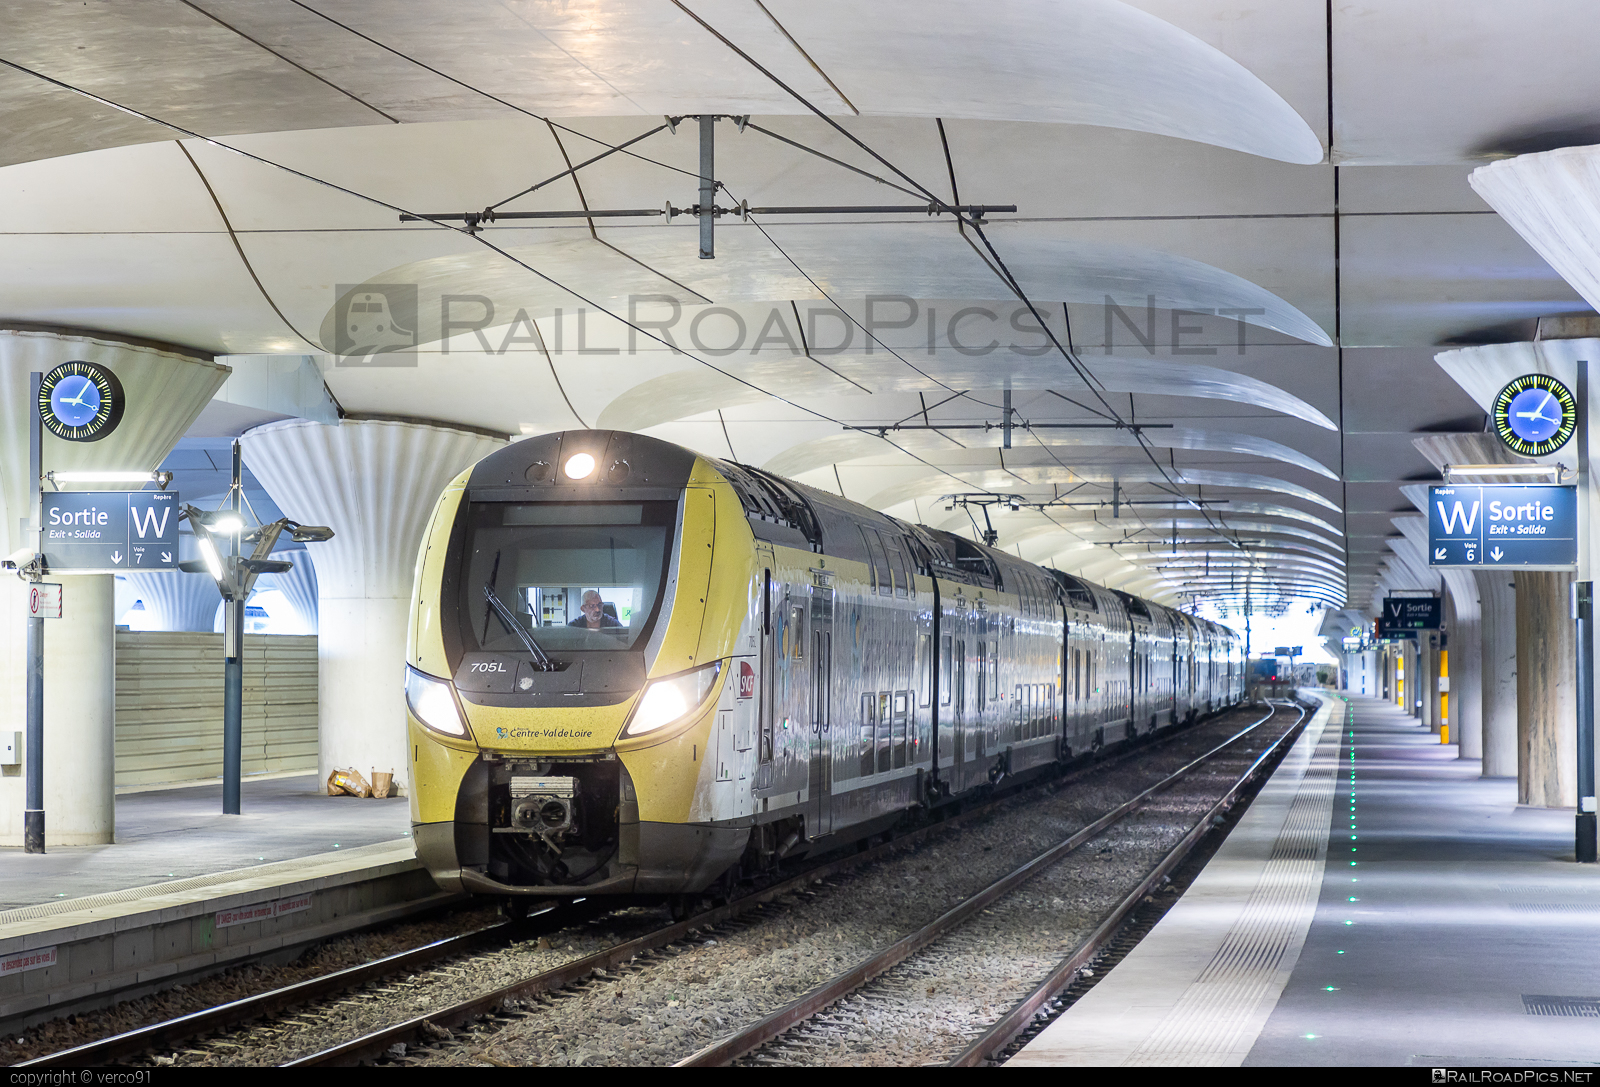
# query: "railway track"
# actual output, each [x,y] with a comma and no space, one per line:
[793,1018]
[439,1025]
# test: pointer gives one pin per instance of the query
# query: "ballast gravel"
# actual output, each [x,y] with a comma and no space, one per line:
[668,1004]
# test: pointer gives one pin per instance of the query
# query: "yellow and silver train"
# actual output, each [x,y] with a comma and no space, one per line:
[633,669]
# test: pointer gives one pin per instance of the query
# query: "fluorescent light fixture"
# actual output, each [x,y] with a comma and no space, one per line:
[1556,470]
[226,522]
[208,552]
[108,476]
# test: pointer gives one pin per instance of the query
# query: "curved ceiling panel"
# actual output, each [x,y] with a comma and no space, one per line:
[1095,62]
[1552,199]
[691,391]
[917,260]
[842,448]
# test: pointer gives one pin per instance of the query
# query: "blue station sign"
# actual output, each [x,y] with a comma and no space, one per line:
[102,531]
[1526,526]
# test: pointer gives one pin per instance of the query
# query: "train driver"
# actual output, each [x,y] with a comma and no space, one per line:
[594,616]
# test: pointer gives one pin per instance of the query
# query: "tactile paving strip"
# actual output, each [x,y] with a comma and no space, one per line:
[1216,1013]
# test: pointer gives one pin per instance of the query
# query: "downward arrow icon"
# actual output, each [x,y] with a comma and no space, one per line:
[116,556]
[1497,554]
[166,556]
[1438,554]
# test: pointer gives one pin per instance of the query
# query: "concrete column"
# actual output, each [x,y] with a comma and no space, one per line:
[299,588]
[1465,627]
[1546,688]
[166,388]
[1427,680]
[1498,604]
[375,483]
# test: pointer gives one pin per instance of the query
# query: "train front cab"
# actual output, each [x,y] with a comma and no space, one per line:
[582,779]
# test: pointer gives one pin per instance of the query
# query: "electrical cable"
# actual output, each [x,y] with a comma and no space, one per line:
[476,237]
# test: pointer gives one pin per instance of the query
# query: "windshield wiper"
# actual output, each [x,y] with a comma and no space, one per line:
[540,661]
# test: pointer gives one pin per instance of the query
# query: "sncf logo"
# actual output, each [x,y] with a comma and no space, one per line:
[747,680]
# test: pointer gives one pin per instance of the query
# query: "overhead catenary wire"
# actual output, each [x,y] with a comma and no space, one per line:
[1011,280]
[479,239]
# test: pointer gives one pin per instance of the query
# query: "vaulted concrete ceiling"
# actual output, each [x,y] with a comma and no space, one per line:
[1262,300]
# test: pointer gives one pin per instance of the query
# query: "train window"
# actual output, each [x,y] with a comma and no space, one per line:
[885,732]
[903,583]
[575,577]
[925,667]
[872,558]
[795,634]
[983,672]
[961,668]
[822,679]
[869,732]
[902,728]
[880,560]
[944,671]
[994,670]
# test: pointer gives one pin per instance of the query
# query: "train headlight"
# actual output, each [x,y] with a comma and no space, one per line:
[431,702]
[579,466]
[672,699]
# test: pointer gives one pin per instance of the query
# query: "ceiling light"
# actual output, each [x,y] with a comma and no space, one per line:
[579,466]
[1556,470]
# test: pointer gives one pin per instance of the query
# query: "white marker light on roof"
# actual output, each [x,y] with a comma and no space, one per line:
[579,466]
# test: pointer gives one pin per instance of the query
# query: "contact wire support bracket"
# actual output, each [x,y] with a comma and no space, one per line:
[706,209]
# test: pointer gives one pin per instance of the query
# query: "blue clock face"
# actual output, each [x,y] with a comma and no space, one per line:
[75,400]
[80,401]
[1535,414]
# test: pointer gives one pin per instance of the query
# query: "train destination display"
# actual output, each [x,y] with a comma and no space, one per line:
[1528,526]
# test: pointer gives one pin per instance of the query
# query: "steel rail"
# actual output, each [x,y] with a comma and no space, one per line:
[1016,1020]
[729,1049]
[374,1044]
[172,1032]
[185,1028]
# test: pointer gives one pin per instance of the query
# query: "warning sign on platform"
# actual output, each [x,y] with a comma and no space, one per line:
[44,601]
[19,961]
[263,911]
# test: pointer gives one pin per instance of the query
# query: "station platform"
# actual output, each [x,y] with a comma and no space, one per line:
[187,890]
[1379,904]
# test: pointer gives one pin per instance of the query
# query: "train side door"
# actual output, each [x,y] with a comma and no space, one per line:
[820,816]
[767,661]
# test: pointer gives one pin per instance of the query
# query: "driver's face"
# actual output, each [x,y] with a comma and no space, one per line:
[590,607]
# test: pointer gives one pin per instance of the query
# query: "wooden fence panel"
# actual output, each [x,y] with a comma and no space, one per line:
[169,705]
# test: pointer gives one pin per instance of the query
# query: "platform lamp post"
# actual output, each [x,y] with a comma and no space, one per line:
[235,575]
[1583,612]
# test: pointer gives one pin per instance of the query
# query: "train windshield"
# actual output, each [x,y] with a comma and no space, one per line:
[572,577]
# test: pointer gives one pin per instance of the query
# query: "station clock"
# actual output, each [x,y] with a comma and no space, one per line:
[80,401]
[1534,415]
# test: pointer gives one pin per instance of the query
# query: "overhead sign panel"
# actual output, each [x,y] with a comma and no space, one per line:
[1409,613]
[1527,526]
[110,531]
